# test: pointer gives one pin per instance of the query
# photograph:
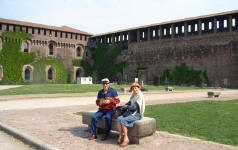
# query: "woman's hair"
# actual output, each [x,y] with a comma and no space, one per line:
[134,84]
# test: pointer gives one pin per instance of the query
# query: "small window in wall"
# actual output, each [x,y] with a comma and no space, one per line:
[7,27]
[164,31]
[0,26]
[44,31]
[233,22]
[182,29]
[143,35]
[79,52]
[25,47]
[66,35]
[80,37]
[176,30]
[203,26]
[76,36]
[225,23]
[61,34]
[189,28]
[33,31]
[153,34]
[39,31]
[71,35]
[210,25]
[170,30]
[51,49]
[56,34]
[196,28]
[218,24]
[26,29]
[50,33]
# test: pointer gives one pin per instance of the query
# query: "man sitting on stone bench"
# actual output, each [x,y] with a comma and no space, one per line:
[106,100]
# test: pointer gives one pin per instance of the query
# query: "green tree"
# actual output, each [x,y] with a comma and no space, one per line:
[104,62]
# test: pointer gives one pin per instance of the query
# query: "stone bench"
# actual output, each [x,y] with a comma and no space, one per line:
[141,129]
[169,88]
[213,94]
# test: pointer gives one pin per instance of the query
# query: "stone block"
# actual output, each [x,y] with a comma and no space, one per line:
[213,94]
[141,129]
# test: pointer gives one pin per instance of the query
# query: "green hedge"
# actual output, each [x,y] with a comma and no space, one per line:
[63,75]
[181,74]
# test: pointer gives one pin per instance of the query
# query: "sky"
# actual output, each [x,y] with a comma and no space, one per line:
[100,16]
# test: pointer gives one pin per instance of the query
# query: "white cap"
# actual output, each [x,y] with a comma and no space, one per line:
[105,80]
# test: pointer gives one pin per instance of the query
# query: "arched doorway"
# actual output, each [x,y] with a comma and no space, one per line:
[78,73]
[50,74]
[28,74]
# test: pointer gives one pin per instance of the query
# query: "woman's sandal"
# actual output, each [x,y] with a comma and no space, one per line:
[124,143]
[120,139]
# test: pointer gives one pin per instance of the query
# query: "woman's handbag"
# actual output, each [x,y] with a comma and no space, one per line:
[119,111]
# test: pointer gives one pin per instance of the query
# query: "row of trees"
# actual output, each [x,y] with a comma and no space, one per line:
[181,74]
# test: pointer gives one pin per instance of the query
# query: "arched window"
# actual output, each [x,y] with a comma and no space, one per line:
[78,52]
[25,47]
[51,49]
[27,74]
[50,74]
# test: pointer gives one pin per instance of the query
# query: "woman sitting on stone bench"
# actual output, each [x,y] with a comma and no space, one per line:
[136,108]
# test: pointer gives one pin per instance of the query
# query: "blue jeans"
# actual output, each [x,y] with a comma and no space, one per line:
[108,120]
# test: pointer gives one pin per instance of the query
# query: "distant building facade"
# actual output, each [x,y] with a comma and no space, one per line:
[208,43]
[64,42]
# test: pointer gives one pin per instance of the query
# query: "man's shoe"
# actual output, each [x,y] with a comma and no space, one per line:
[104,137]
[93,137]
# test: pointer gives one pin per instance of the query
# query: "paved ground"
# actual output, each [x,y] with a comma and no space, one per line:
[8,142]
[53,121]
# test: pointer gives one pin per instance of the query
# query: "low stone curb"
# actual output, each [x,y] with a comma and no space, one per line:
[26,138]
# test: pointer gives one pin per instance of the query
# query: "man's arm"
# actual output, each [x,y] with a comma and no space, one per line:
[115,99]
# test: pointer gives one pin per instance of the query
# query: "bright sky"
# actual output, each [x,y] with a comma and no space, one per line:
[100,16]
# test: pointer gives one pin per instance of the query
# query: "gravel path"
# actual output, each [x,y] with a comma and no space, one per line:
[53,121]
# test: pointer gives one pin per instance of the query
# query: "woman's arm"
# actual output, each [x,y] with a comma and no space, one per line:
[133,107]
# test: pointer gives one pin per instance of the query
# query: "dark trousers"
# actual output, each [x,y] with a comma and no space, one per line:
[108,120]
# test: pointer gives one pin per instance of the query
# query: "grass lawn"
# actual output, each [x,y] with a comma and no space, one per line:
[209,120]
[73,88]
